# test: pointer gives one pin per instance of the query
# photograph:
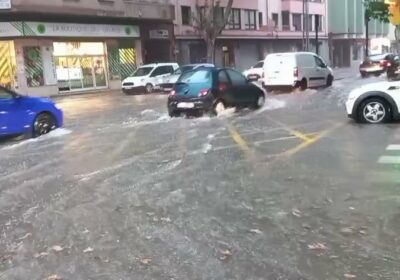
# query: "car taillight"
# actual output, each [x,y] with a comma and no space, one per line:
[296,72]
[204,92]
[385,63]
[172,93]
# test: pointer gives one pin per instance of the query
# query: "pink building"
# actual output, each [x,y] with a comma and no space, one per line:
[256,27]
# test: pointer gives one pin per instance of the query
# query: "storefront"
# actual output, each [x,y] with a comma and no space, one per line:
[50,58]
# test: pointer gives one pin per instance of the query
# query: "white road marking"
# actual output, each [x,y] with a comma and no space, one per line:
[393,148]
[389,160]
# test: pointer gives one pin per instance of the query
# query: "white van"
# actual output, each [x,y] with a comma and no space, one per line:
[148,77]
[297,69]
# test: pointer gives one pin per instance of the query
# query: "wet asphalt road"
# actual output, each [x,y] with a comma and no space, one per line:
[292,191]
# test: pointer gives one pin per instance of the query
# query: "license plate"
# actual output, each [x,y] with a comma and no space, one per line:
[253,77]
[185,105]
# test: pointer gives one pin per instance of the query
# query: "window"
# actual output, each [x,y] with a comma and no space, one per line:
[234,19]
[196,77]
[142,71]
[319,62]
[162,70]
[237,79]
[250,20]
[305,60]
[260,19]
[223,77]
[285,20]
[186,15]
[297,22]
[5,94]
[275,18]
[172,8]
[259,65]
[34,70]
[310,23]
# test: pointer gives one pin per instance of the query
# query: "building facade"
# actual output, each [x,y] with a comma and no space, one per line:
[255,28]
[347,33]
[63,46]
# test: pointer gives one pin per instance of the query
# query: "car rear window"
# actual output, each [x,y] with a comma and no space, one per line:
[278,61]
[196,77]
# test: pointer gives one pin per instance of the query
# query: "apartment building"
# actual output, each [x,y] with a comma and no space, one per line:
[347,33]
[64,46]
[255,28]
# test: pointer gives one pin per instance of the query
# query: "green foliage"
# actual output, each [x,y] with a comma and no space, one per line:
[377,9]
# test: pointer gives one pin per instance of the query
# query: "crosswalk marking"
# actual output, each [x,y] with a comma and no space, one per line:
[393,148]
[389,160]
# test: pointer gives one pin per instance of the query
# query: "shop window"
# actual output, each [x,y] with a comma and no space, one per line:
[296,22]
[186,13]
[33,66]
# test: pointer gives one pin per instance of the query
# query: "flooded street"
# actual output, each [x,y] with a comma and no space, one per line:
[294,190]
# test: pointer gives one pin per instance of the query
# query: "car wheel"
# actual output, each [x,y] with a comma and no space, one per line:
[374,110]
[149,88]
[259,103]
[218,108]
[363,75]
[329,81]
[43,124]
[302,85]
[377,74]
[174,114]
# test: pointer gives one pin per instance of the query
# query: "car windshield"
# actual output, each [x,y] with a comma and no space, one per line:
[142,71]
[183,69]
[195,77]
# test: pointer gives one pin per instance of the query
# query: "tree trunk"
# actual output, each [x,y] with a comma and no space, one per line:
[210,51]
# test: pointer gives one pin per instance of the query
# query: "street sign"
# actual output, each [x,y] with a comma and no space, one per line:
[5,4]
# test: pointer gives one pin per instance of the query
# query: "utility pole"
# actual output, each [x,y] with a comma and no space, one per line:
[366,19]
[307,26]
[316,34]
[304,26]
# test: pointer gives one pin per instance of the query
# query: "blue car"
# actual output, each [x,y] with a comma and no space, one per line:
[27,115]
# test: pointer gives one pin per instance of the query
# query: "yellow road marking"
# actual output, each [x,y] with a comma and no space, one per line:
[311,141]
[238,138]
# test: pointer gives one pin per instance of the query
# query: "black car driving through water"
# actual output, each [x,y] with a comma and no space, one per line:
[212,90]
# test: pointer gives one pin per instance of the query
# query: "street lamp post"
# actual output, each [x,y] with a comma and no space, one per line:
[366,19]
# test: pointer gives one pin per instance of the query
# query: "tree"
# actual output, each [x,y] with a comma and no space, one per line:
[209,20]
[378,10]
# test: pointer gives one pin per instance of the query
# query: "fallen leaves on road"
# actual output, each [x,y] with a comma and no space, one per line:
[317,246]
[296,213]
[144,261]
[88,250]
[226,254]
[57,248]
[350,276]
[54,277]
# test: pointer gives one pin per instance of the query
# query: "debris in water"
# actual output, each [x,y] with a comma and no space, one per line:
[40,255]
[144,261]
[88,250]
[317,246]
[167,220]
[255,231]
[346,231]
[296,212]
[225,255]
[350,276]
[57,248]
[54,277]
[25,236]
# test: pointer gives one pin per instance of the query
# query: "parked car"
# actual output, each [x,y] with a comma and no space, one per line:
[255,72]
[212,90]
[27,115]
[169,81]
[296,70]
[376,65]
[148,77]
[375,103]
[393,70]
